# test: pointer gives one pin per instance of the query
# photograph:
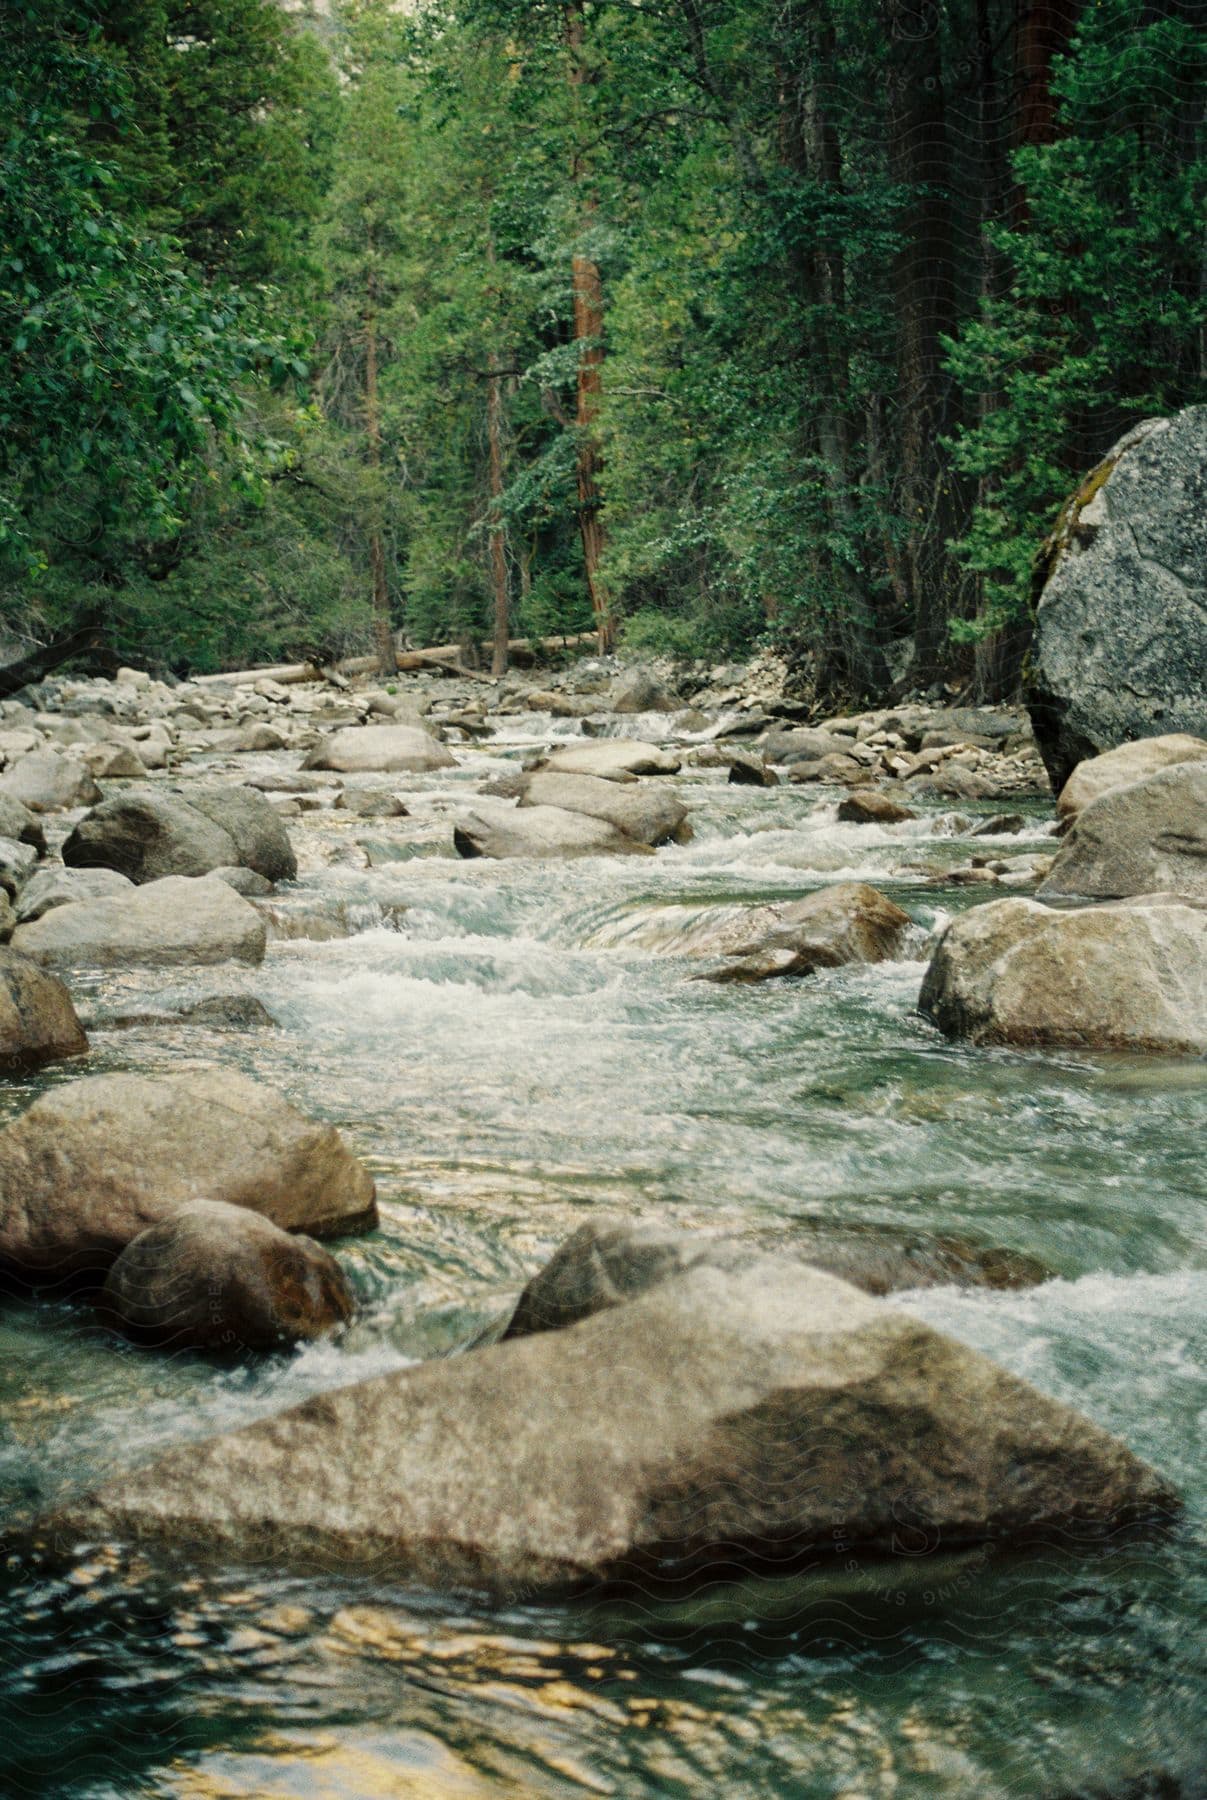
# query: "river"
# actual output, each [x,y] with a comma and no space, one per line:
[513,1047]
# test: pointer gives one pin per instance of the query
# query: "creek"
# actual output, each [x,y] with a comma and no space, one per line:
[514,1047]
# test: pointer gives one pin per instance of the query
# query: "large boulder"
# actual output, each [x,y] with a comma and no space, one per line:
[759,1414]
[652,814]
[1119,768]
[217,1277]
[38,1022]
[148,835]
[614,759]
[177,920]
[1120,646]
[502,831]
[388,749]
[53,887]
[46,781]
[636,691]
[847,923]
[92,1164]
[1126,976]
[1147,838]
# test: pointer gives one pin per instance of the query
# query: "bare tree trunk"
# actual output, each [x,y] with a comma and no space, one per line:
[588,335]
[497,528]
[382,633]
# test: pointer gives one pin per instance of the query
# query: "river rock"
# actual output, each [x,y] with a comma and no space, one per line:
[803,743]
[503,831]
[17,863]
[115,762]
[92,1164]
[46,781]
[148,835]
[52,887]
[1119,768]
[870,807]
[613,759]
[388,749]
[759,1414]
[1126,976]
[177,920]
[1120,647]
[651,814]
[848,923]
[16,821]
[636,691]
[217,1277]
[1149,837]
[38,1023]
[748,770]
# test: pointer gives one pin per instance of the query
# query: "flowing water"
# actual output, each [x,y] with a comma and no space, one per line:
[514,1047]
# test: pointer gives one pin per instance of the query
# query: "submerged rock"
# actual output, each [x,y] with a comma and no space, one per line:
[1126,976]
[220,1278]
[651,814]
[92,1164]
[38,1023]
[177,920]
[870,807]
[549,831]
[848,923]
[1119,768]
[1120,646]
[1146,838]
[146,835]
[745,1412]
[388,749]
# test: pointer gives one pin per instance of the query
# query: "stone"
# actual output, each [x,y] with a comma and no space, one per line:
[91,1164]
[1000,825]
[257,736]
[614,759]
[16,821]
[219,1278]
[47,781]
[38,1023]
[17,863]
[847,923]
[1120,647]
[388,749]
[1119,768]
[503,831]
[649,813]
[803,744]
[1149,837]
[368,803]
[115,762]
[244,881]
[744,1413]
[53,887]
[746,770]
[161,924]
[149,834]
[1130,975]
[870,807]
[636,691]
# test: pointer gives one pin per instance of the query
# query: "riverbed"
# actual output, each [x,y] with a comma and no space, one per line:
[516,1047]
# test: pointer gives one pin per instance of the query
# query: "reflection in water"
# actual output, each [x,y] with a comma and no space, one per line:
[521,1045]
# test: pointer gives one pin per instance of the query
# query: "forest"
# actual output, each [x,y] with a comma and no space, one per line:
[698,324]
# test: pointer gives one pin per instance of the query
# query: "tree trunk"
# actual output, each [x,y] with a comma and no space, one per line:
[497,529]
[383,635]
[588,335]
[920,160]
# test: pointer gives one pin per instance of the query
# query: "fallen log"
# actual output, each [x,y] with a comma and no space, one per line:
[288,674]
[436,656]
[84,640]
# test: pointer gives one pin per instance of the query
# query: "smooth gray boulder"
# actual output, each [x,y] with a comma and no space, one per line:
[16,821]
[799,743]
[177,920]
[1119,768]
[17,863]
[1147,838]
[1130,975]
[652,814]
[389,749]
[53,887]
[637,691]
[219,1278]
[146,835]
[46,781]
[38,1023]
[764,1414]
[614,759]
[91,1164]
[1120,648]
[501,831]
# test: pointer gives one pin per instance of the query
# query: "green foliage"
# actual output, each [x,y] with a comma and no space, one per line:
[1104,305]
